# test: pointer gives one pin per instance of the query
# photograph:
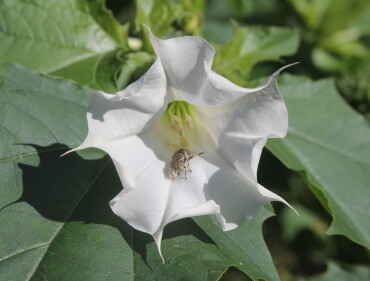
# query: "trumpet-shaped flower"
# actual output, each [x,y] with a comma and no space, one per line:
[186,141]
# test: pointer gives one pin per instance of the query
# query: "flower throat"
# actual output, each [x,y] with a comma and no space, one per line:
[179,118]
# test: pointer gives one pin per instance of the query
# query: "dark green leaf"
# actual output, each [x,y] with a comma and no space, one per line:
[244,245]
[55,221]
[330,143]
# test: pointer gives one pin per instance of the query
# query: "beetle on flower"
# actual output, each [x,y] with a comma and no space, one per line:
[180,103]
[180,162]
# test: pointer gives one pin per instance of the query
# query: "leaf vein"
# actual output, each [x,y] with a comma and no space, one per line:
[327,147]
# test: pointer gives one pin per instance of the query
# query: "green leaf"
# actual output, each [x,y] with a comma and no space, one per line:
[251,45]
[189,14]
[242,248]
[336,33]
[157,14]
[165,17]
[217,25]
[95,72]
[329,142]
[244,245]
[189,255]
[324,14]
[51,221]
[135,65]
[56,223]
[75,39]
[338,273]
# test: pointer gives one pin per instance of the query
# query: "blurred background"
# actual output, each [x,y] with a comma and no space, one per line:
[334,41]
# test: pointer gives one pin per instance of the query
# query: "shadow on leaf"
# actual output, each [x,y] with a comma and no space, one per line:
[70,188]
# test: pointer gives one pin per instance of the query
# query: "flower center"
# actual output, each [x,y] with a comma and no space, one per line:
[176,125]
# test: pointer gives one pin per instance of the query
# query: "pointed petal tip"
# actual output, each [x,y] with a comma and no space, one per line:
[146,27]
[285,67]
[291,207]
[270,196]
[278,198]
[160,254]
[293,63]
[74,149]
[65,153]
[149,31]
[158,240]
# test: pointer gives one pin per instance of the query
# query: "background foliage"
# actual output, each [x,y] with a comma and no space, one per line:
[55,221]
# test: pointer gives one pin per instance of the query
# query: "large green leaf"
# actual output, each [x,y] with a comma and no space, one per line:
[329,142]
[200,255]
[251,45]
[76,39]
[96,72]
[244,246]
[56,223]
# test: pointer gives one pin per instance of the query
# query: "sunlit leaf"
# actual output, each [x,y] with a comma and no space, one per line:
[335,33]
[76,39]
[251,45]
[324,14]
[156,14]
[163,17]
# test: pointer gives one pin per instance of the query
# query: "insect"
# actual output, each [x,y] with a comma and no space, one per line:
[180,162]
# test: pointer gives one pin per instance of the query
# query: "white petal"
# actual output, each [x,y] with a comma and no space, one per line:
[187,197]
[237,197]
[187,62]
[150,199]
[241,127]
[129,112]
[140,163]
[270,196]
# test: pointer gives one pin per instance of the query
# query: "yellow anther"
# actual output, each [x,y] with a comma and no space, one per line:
[181,132]
[189,122]
[174,119]
[175,127]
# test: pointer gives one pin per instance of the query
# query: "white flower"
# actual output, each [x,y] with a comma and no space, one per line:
[181,103]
